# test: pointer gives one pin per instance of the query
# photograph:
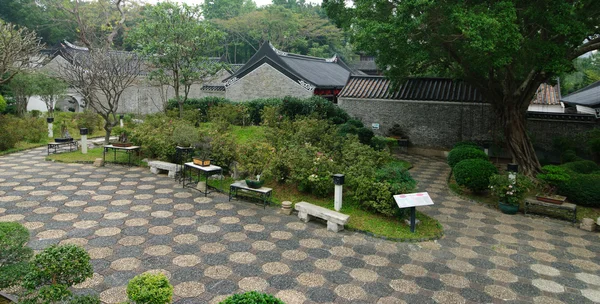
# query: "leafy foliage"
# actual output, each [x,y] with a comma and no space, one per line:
[459,154]
[474,174]
[582,189]
[150,289]
[582,166]
[2,104]
[89,120]
[252,297]
[552,177]
[465,144]
[14,255]
[155,135]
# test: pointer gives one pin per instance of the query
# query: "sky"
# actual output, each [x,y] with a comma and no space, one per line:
[258,2]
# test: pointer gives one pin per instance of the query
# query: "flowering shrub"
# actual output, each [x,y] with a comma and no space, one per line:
[510,190]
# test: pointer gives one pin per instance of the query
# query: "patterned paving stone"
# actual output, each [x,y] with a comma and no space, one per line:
[132,222]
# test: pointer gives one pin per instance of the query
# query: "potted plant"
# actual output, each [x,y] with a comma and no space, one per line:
[254,158]
[202,152]
[550,178]
[64,131]
[510,189]
[123,137]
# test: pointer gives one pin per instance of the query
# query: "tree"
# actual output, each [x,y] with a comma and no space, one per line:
[587,71]
[14,255]
[50,90]
[504,48]
[101,77]
[18,50]
[22,86]
[225,9]
[177,44]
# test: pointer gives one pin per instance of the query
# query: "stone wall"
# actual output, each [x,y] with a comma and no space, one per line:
[265,82]
[442,124]
[427,124]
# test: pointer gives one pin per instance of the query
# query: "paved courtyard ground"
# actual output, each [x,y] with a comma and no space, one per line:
[131,222]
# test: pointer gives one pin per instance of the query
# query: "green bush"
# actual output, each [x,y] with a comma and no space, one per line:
[474,174]
[35,113]
[14,255]
[395,174]
[150,289]
[89,120]
[256,107]
[354,126]
[553,176]
[582,166]
[461,144]
[235,114]
[9,132]
[155,135]
[582,189]
[202,105]
[56,269]
[2,104]
[252,297]
[87,299]
[185,135]
[34,130]
[457,155]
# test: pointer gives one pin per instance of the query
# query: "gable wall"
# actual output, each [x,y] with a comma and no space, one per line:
[265,82]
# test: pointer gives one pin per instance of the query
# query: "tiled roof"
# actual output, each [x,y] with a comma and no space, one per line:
[588,96]
[318,72]
[547,95]
[432,89]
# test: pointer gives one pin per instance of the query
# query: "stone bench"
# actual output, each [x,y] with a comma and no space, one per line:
[568,209]
[156,166]
[335,220]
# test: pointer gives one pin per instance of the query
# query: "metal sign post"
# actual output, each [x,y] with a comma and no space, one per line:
[413,200]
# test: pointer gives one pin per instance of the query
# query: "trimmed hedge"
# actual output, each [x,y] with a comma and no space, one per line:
[474,174]
[582,166]
[461,144]
[252,297]
[461,153]
[582,189]
[150,288]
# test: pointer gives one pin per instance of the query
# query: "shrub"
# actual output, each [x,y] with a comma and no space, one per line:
[35,113]
[87,299]
[9,132]
[582,189]
[582,166]
[465,144]
[2,104]
[251,297]
[395,174]
[56,269]
[552,177]
[459,154]
[474,174]
[155,135]
[150,289]
[185,135]
[510,190]
[354,126]
[14,255]
[34,129]
[257,106]
[89,120]
[200,104]
[235,114]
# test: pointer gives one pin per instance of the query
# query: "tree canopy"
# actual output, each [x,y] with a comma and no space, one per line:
[504,48]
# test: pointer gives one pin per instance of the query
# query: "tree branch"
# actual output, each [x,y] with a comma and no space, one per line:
[589,46]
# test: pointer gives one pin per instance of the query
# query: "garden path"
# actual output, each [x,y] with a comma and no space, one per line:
[131,222]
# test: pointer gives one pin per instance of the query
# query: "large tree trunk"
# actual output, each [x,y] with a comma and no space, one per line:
[108,129]
[514,124]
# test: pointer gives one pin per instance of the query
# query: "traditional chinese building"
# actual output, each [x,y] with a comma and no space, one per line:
[273,73]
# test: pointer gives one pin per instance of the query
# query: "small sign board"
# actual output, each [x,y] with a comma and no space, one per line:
[413,200]
[375,126]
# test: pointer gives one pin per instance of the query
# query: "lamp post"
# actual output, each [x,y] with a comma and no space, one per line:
[50,120]
[121,119]
[338,181]
[83,132]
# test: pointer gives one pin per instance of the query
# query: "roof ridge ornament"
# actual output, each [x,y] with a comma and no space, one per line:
[79,48]
[278,52]
[307,86]
[332,59]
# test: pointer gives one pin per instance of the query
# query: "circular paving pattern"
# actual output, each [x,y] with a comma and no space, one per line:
[132,222]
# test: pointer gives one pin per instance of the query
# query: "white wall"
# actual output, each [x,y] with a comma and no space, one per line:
[546,108]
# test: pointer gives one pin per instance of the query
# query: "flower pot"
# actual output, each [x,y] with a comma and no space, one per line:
[60,140]
[254,184]
[120,144]
[201,162]
[553,199]
[508,208]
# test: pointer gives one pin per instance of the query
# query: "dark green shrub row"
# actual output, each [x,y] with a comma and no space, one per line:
[582,189]
[13,130]
[474,174]
[252,297]
[465,152]
[582,166]
[465,144]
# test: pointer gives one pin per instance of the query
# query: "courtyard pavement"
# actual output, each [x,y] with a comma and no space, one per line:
[132,222]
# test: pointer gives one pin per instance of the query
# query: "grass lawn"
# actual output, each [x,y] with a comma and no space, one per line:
[377,224]
[90,157]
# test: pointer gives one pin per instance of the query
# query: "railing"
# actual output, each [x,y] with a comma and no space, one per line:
[563,116]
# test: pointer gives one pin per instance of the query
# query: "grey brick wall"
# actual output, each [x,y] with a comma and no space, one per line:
[427,124]
[265,82]
[543,131]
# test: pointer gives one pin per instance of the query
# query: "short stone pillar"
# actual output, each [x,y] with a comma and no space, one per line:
[99,162]
[201,186]
[588,224]
[50,120]
[84,133]
[286,207]
[338,181]
[121,119]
